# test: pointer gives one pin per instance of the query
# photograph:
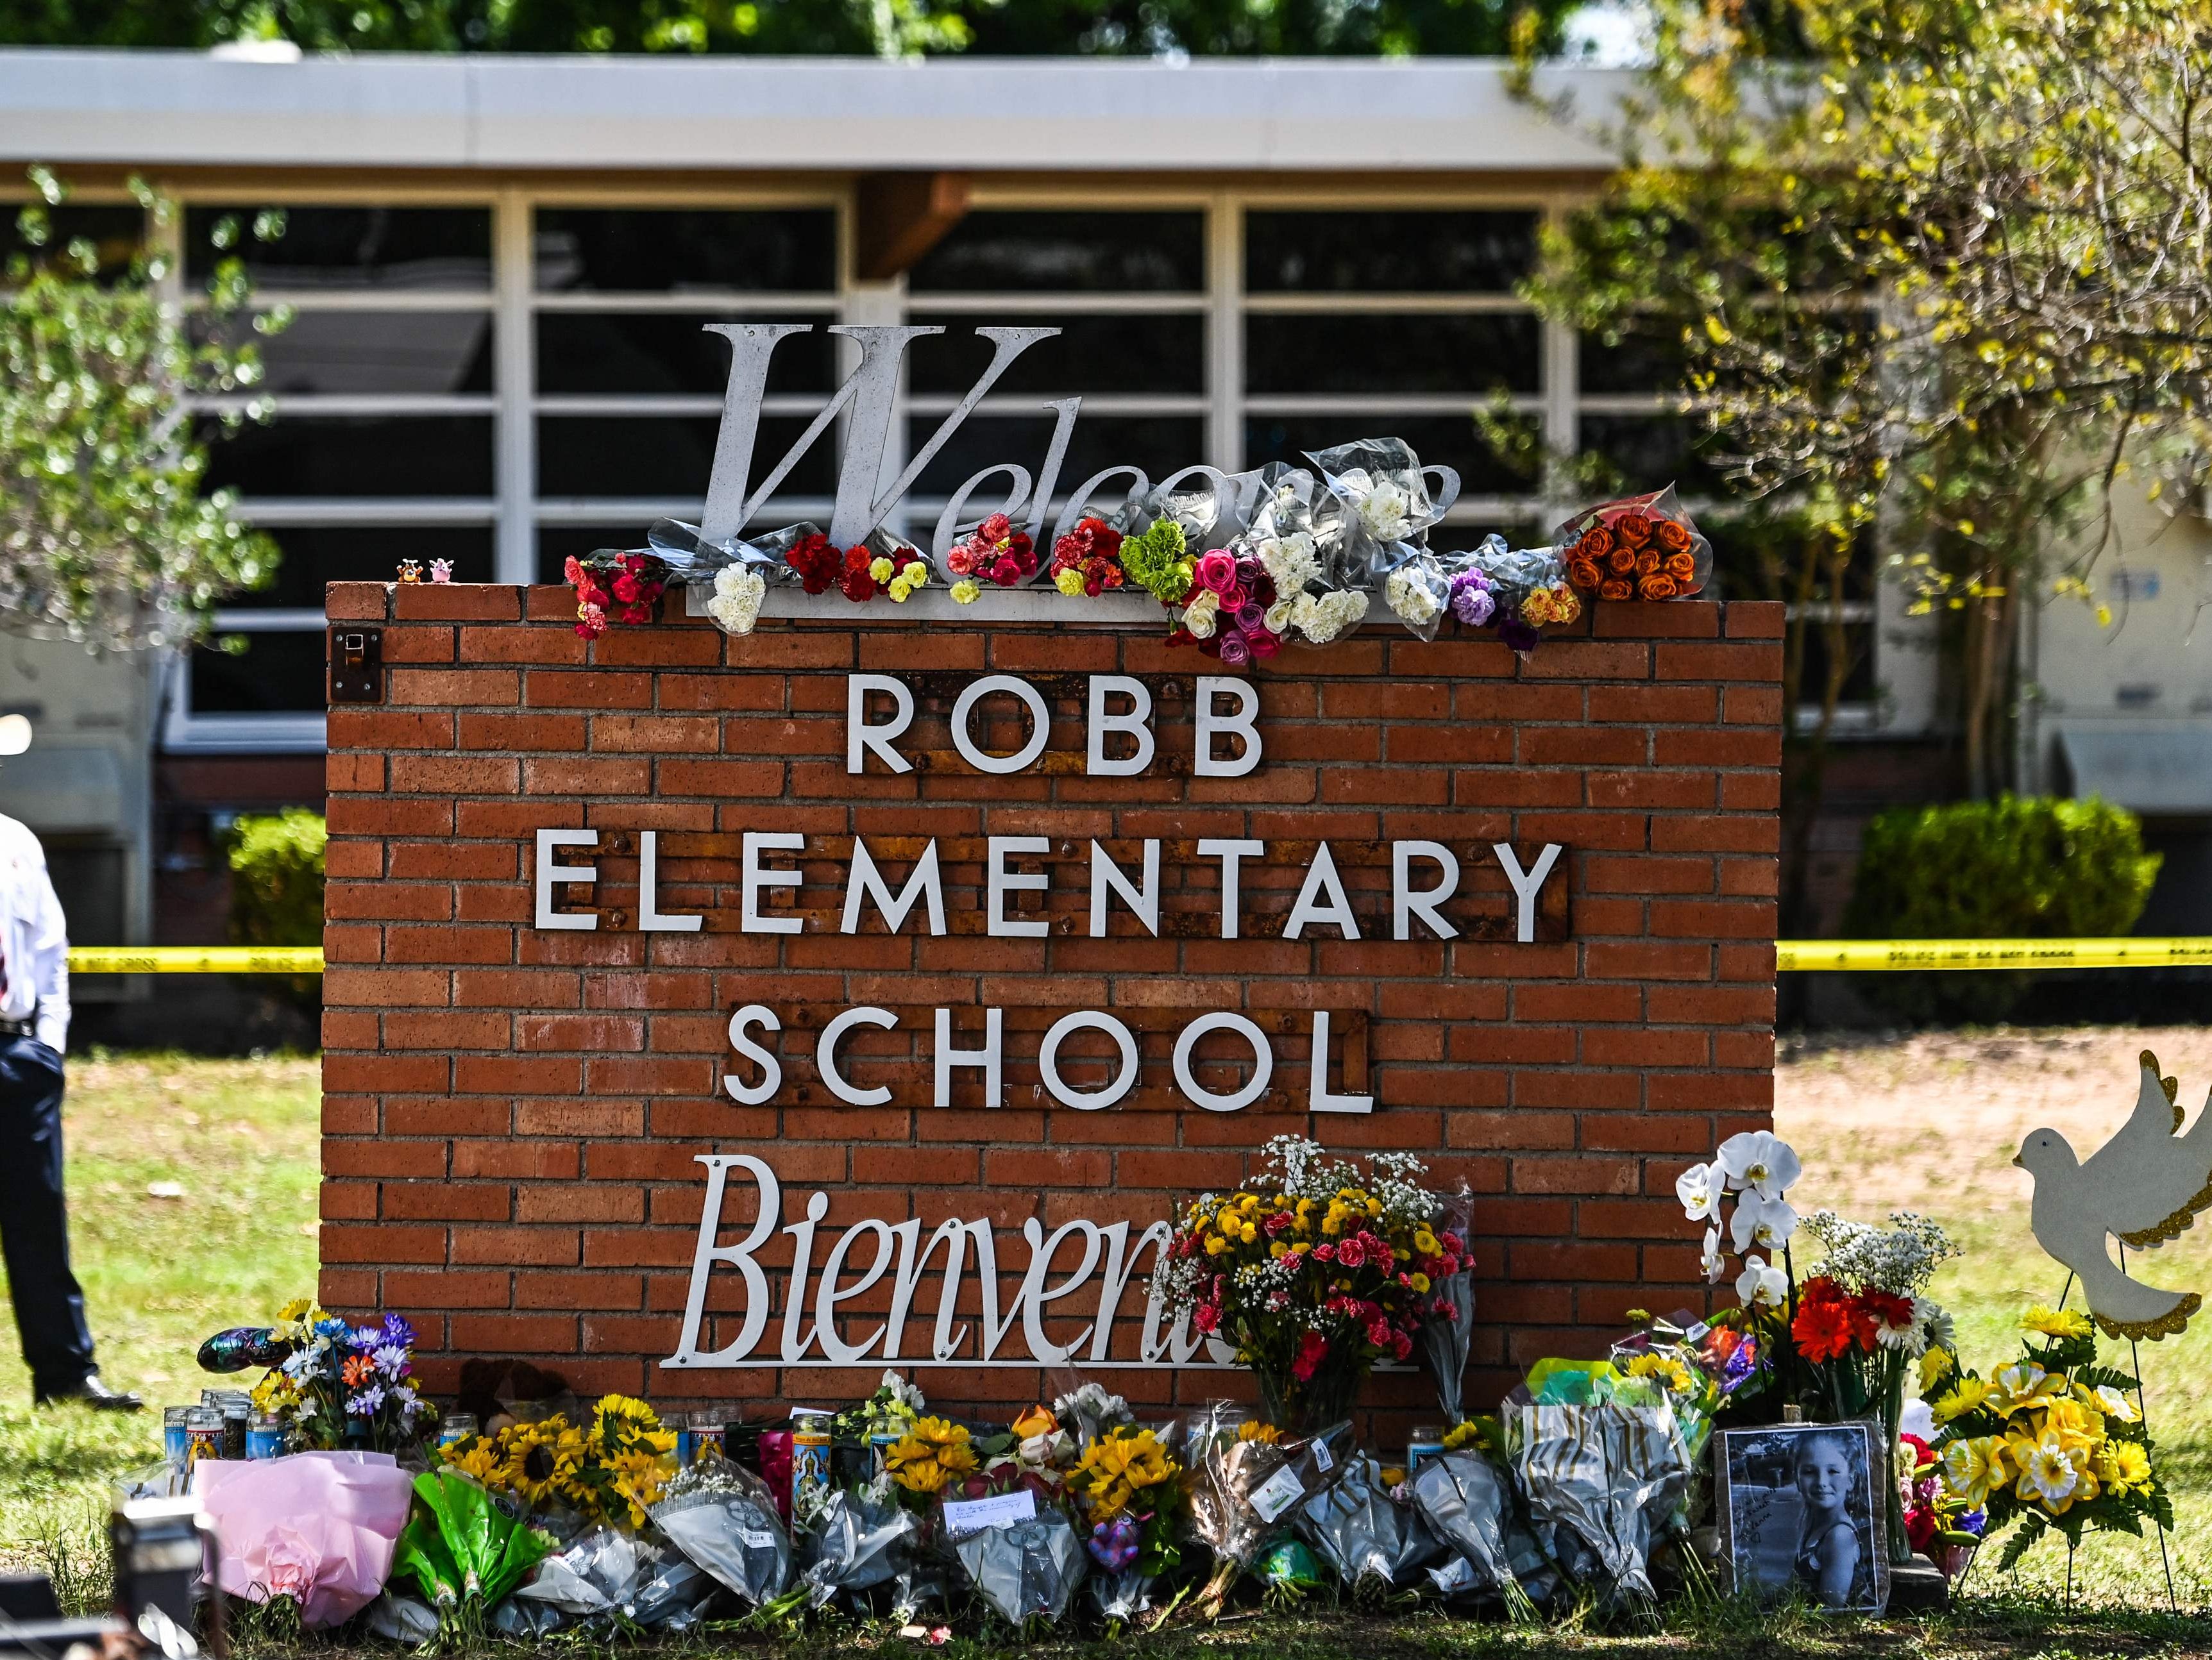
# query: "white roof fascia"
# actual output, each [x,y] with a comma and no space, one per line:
[149,109]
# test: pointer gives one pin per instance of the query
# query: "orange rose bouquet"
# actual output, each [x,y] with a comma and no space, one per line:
[1642,547]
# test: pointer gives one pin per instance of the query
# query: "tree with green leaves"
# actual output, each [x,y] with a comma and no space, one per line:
[105,536]
[877,28]
[1940,273]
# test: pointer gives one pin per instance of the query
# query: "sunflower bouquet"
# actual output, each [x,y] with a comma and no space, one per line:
[1128,1493]
[2051,1442]
[1314,1275]
[934,1454]
[613,1470]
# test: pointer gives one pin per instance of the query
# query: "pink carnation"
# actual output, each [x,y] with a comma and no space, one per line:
[960,559]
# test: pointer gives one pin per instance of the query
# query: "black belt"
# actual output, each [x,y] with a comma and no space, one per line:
[19,1028]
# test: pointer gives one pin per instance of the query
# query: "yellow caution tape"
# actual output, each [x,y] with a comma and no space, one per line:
[1800,956]
[1863,956]
[196,960]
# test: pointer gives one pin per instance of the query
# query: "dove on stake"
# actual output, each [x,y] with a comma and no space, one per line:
[2142,1187]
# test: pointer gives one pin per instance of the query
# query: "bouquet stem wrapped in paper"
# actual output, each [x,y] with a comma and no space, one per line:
[320,1528]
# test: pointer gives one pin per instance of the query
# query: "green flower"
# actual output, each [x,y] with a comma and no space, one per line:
[1157,562]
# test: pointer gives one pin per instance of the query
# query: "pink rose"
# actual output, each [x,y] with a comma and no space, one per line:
[1264,643]
[1217,570]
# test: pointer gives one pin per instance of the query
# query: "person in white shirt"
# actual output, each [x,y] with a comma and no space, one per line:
[34,1016]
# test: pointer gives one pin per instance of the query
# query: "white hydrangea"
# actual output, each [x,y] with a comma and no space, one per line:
[1321,620]
[1410,600]
[736,603]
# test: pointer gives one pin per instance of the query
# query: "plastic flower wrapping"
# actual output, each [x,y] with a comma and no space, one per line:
[339,1385]
[2050,1442]
[723,1517]
[1642,547]
[1465,1501]
[1362,1532]
[605,1579]
[1246,1479]
[1127,1488]
[1314,1275]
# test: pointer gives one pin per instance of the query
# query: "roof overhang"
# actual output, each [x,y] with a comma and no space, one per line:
[380,111]
[2160,771]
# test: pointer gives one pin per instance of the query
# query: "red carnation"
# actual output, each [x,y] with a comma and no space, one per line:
[1312,1348]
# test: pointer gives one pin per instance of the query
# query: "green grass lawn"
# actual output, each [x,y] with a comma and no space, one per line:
[1930,1125]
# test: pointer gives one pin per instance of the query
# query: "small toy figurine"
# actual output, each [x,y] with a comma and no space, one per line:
[441,570]
[411,570]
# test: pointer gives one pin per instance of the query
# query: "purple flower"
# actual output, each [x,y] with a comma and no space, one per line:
[365,1404]
[391,1360]
[1973,1522]
[1234,651]
[1251,615]
[1519,635]
[398,1332]
[1472,602]
[362,1339]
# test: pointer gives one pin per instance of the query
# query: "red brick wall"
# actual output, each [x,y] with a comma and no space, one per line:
[510,1116]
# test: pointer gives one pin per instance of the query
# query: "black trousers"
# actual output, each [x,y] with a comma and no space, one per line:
[33,1223]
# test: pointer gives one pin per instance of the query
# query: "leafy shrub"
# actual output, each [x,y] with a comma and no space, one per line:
[2019,867]
[277,879]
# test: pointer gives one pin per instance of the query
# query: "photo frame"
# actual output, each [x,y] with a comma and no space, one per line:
[1801,1507]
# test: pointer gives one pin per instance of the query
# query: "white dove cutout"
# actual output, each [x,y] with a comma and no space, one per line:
[2142,1187]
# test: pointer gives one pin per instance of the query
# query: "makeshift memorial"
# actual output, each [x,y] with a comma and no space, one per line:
[1641,547]
[1245,1477]
[342,1385]
[614,586]
[933,1453]
[1377,509]
[613,1470]
[320,1528]
[2051,1442]
[724,1519]
[1317,1274]
[463,1550]
[1021,1555]
[861,1537]
[994,552]
[1604,1466]
[1129,1492]
[603,1577]
[2142,1187]
[1801,1508]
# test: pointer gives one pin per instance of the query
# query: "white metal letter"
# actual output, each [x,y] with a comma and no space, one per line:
[988,1057]
[738,1256]
[1144,902]
[1087,1100]
[864,881]
[651,919]
[744,1095]
[1230,853]
[825,1055]
[1407,900]
[1223,1020]
[1321,877]
[1319,1097]
[750,919]
[1137,723]
[1244,725]
[998,881]
[1040,723]
[859,736]
[549,873]
[1527,885]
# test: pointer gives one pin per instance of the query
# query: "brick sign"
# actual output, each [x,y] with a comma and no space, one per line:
[706,1017]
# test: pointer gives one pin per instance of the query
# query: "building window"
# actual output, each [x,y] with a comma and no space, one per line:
[385,447]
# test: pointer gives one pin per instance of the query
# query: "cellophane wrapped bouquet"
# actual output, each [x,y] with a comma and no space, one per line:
[1246,1480]
[343,1385]
[1640,546]
[1127,1488]
[1011,1524]
[1314,1273]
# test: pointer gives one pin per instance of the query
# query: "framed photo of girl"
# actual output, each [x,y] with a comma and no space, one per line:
[1801,1510]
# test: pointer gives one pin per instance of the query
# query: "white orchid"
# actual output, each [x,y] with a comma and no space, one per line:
[1759,1162]
[1714,1261]
[1759,1285]
[1700,1187]
[1766,1223]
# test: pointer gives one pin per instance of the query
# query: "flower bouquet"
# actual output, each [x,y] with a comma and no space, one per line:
[320,1528]
[722,1517]
[1227,608]
[1087,560]
[465,1550]
[1245,1477]
[1378,507]
[1315,1275]
[1309,604]
[883,564]
[1447,1314]
[994,552]
[1520,591]
[614,586]
[613,1470]
[1361,1530]
[2051,1442]
[1642,547]
[344,1386]
[1009,1523]
[1464,1499]
[1128,1493]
